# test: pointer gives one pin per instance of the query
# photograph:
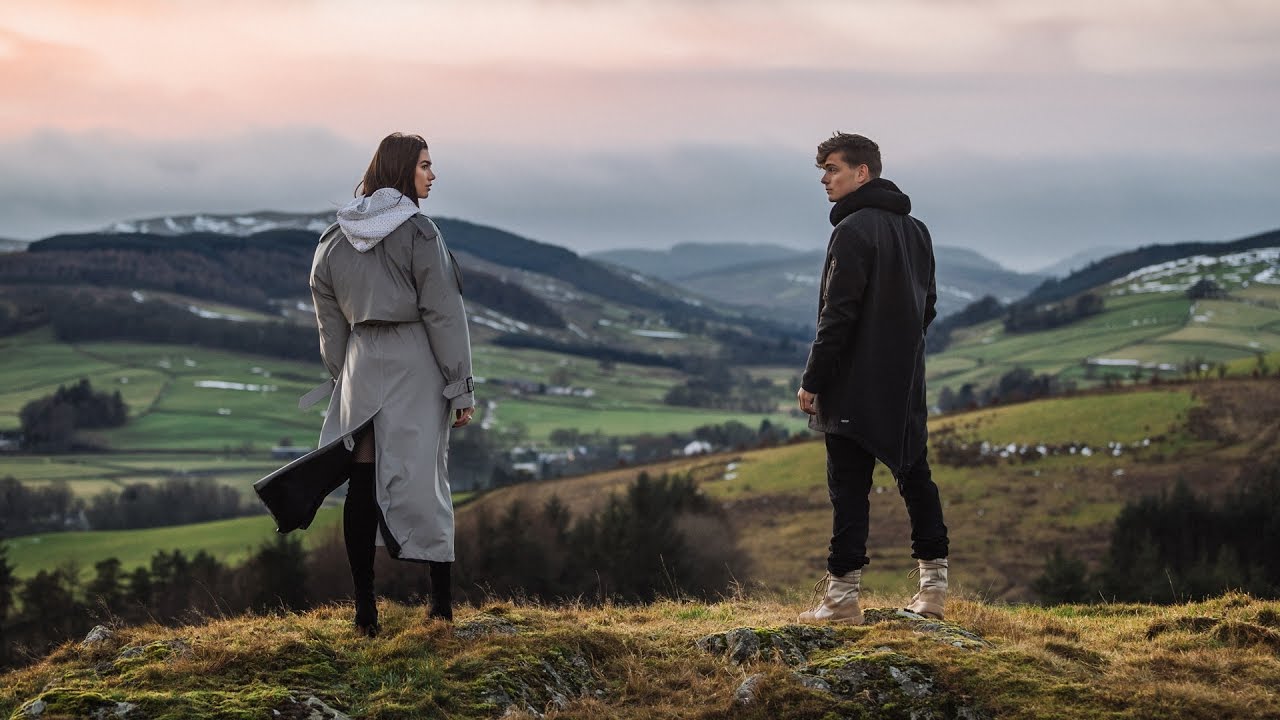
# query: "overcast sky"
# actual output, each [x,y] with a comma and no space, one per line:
[1025,130]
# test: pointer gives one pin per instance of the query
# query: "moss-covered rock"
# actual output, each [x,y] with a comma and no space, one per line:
[536,683]
[884,685]
[940,630]
[792,644]
[66,703]
[488,623]
[306,707]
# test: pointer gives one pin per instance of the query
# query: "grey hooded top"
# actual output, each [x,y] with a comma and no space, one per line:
[384,262]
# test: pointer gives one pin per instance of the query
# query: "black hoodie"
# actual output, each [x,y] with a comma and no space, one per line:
[877,298]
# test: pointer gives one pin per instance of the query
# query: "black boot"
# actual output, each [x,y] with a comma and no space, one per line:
[441,591]
[359,525]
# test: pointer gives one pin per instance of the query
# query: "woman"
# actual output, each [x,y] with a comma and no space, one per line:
[393,336]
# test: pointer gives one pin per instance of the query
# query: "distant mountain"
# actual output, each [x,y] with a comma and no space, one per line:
[520,292]
[239,224]
[483,242]
[1068,265]
[687,259]
[7,245]
[786,288]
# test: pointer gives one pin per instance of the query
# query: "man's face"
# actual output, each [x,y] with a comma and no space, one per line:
[840,179]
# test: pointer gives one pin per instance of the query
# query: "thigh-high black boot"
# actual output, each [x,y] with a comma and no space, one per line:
[441,591]
[359,525]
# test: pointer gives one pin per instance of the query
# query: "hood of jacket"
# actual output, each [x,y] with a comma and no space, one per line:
[878,193]
[369,218]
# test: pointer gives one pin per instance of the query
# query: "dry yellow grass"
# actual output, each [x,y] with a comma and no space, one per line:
[1213,659]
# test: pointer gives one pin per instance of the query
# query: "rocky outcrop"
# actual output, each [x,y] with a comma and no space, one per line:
[881,682]
[791,644]
[534,684]
[888,684]
[942,631]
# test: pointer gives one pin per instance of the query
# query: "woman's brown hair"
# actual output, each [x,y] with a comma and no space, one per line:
[393,166]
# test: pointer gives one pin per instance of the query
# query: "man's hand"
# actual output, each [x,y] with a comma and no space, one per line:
[463,416]
[808,401]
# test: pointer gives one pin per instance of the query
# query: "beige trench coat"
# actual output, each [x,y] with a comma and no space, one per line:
[393,336]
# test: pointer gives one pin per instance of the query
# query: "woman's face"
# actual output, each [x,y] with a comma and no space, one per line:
[422,175]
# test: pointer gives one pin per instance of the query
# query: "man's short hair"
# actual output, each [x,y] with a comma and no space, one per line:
[855,149]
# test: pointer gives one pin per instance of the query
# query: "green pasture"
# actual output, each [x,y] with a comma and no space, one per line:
[624,383]
[210,431]
[1237,314]
[1156,311]
[1246,366]
[542,416]
[1174,352]
[88,475]
[231,541]
[1260,292]
[1244,339]
[1092,419]
[34,361]
[939,367]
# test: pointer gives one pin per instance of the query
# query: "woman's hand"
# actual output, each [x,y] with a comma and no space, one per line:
[463,416]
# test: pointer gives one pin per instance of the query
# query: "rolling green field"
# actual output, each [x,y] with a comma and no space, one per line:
[169,410]
[180,428]
[231,541]
[1153,328]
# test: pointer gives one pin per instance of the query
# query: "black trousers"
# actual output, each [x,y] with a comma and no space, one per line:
[849,469]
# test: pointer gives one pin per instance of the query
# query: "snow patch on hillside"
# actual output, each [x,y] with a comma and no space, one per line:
[1179,275]
[238,225]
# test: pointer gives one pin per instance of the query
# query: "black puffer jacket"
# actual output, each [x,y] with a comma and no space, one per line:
[877,298]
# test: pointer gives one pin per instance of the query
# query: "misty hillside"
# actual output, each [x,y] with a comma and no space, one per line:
[7,245]
[1077,261]
[521,293]
[685,259]
[785,287]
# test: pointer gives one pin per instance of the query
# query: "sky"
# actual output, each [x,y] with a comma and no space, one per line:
[1026,130]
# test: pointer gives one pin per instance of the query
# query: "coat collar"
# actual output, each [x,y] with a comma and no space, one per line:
[878,193]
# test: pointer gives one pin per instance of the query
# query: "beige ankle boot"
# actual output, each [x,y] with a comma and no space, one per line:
[839,601]
[933,588]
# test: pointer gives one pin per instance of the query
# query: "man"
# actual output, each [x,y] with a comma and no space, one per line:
[863,385]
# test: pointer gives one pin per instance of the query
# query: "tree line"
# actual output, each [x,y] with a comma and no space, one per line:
[246,272]
[1017,385]
[661,537]
[28,510]
[56,605]
[1179,547]
[89,317]
[478,459]
[724,387]
[1030,317]
[50,423]
[658,537]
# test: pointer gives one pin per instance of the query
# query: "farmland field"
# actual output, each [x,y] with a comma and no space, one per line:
[231,541]
[1150,329]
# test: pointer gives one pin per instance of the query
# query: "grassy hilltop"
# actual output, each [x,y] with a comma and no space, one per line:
[733,659]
